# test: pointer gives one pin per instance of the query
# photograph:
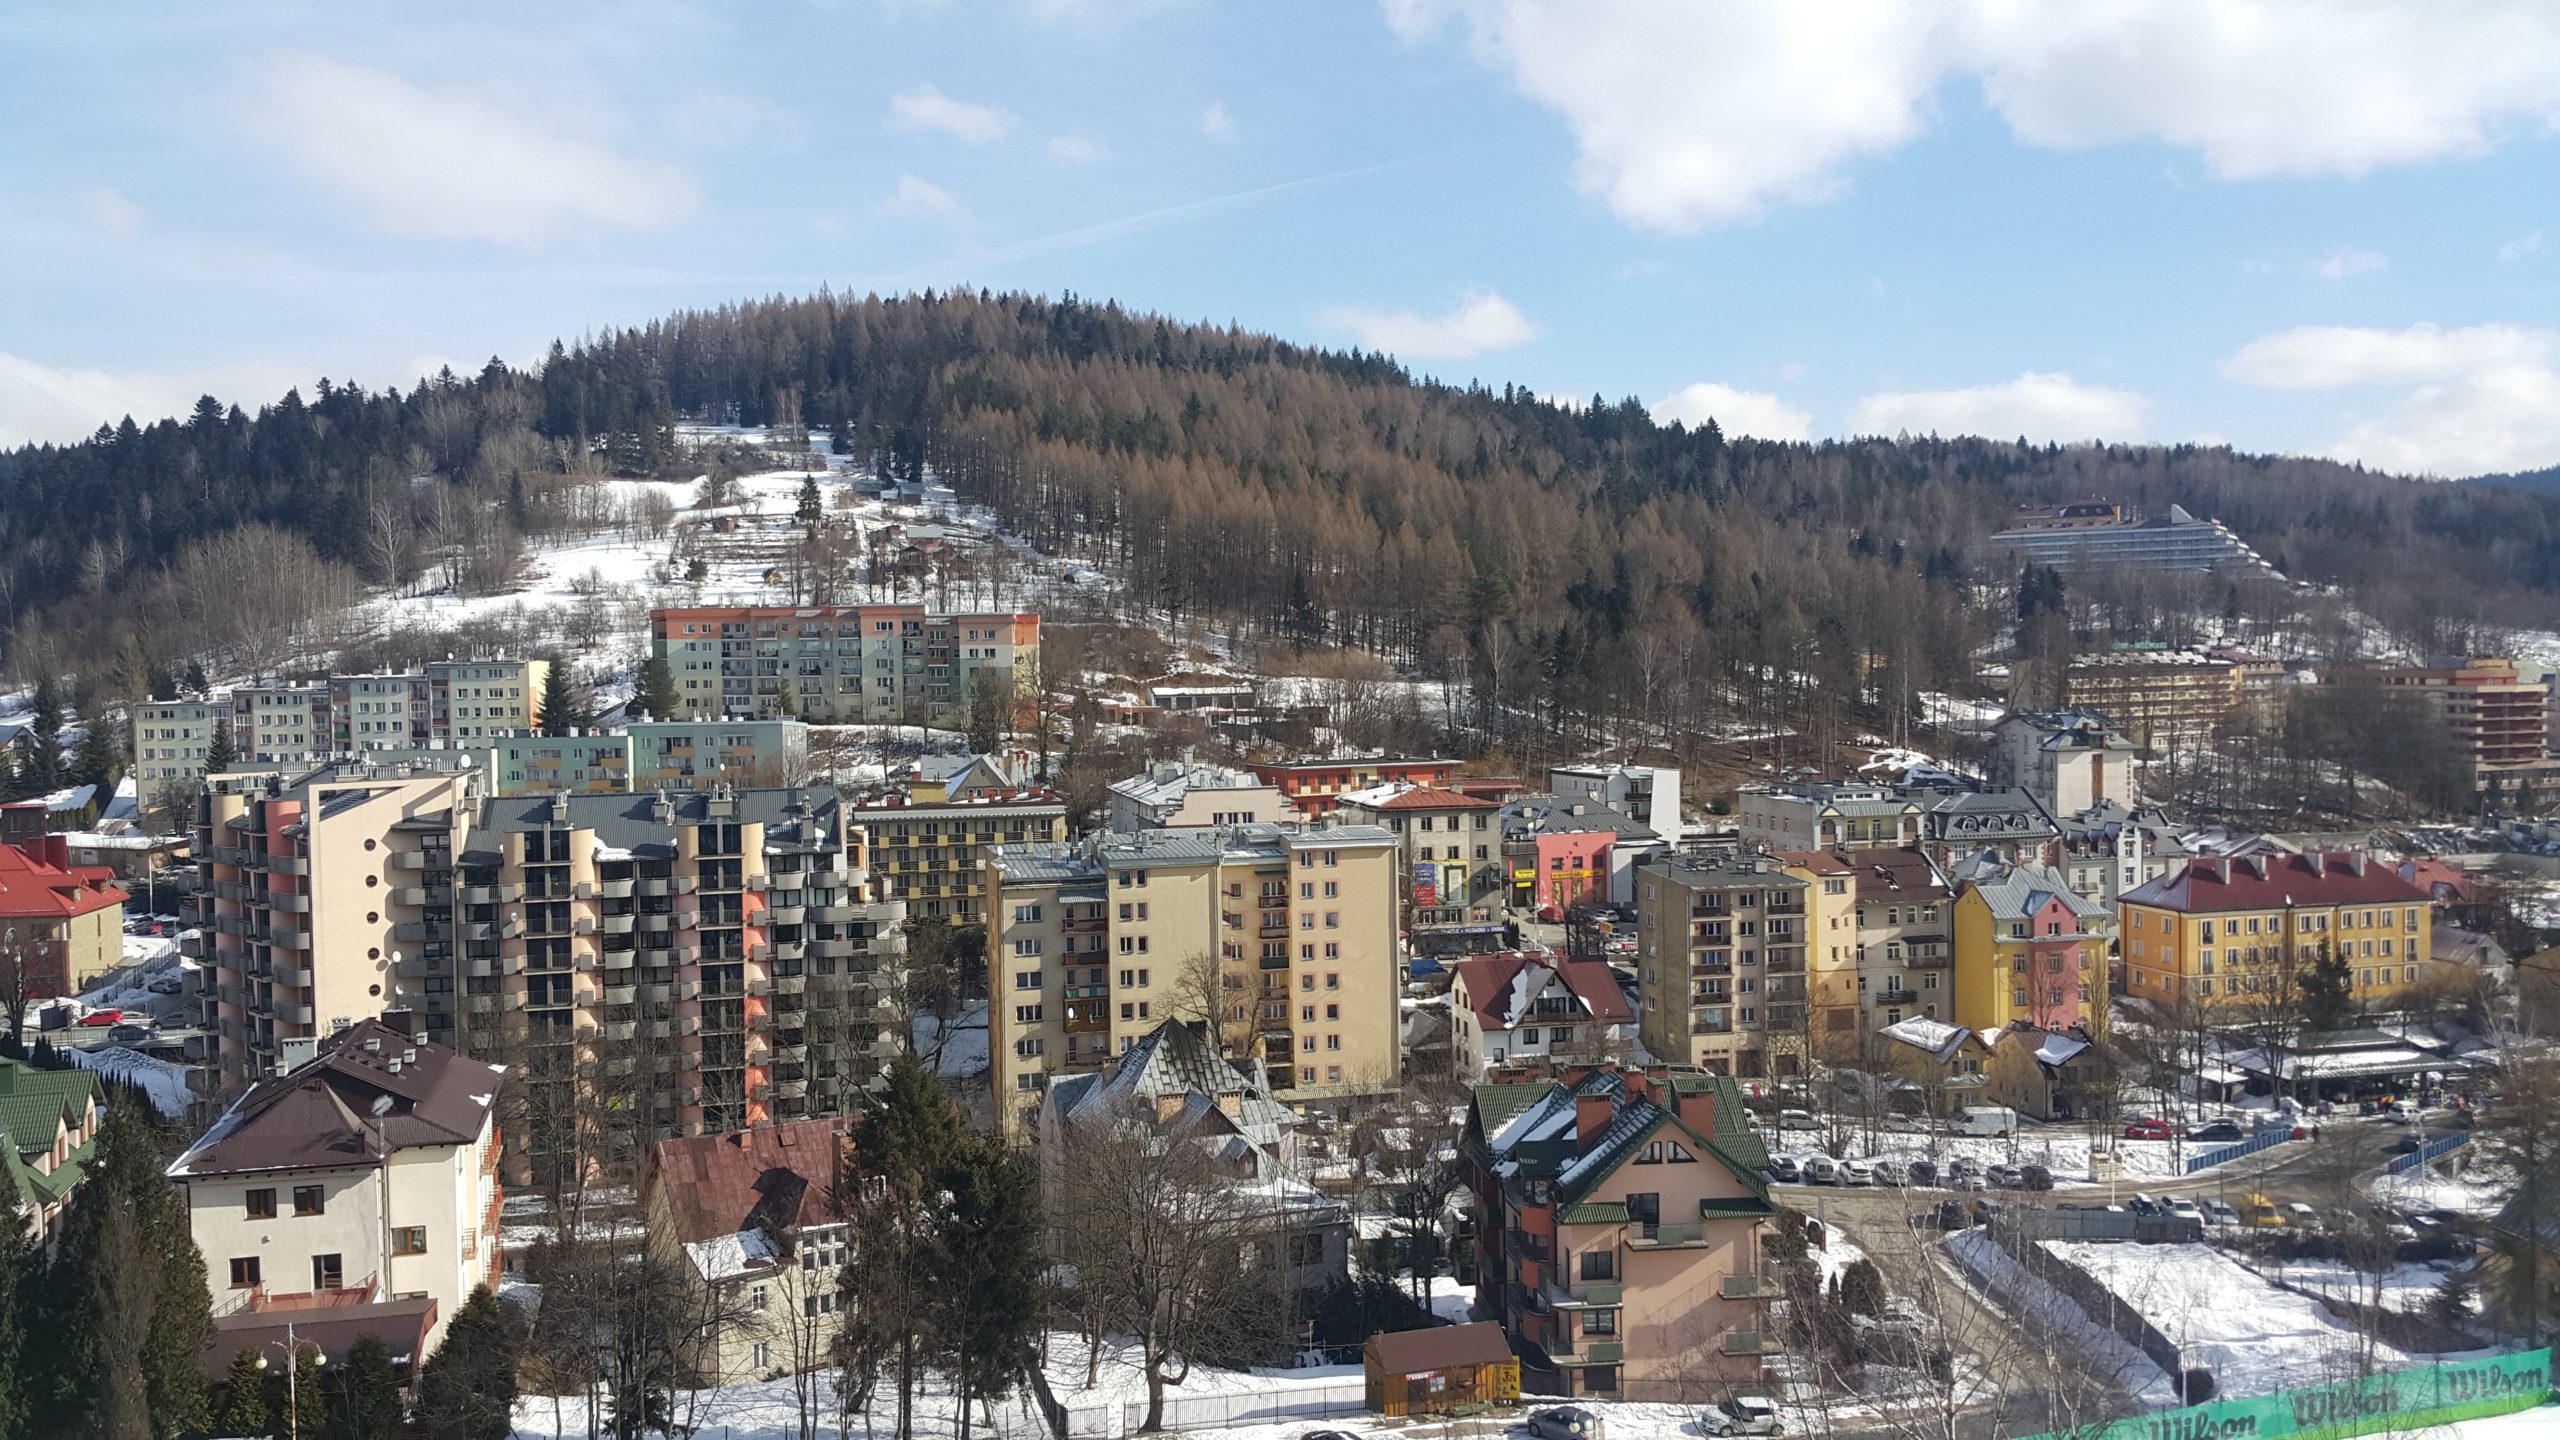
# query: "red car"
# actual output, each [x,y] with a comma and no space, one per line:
[103,1017]
[2147,1129]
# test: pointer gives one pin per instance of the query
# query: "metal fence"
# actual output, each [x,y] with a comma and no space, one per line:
[2224,1154]
[2424,1154]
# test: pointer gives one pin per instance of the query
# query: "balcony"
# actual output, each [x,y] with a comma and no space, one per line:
[1681,1236]
[829,879]
[419,895]
[783,914]
[491,894]
[291,938]
[1747,1342]
[1741,1287]
[292,902]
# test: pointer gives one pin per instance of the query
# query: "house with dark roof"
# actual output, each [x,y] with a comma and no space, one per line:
[1618,1217]
[365,1176]
[1522,1005]
[48,1127]
[753,1218]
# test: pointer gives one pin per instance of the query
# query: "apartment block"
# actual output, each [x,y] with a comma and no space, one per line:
[1650,794]
[361,1186]
[1449,848]
[170,741]
[1944,821]
[932,853]
[1179,794]
[1314,786]
[450,702]
[1883,941]
[61,921]
[2159,699]
[719,951]
[2029,948]
[2233,927]
[1721,947]
[1618,1220]
[843,664]
[2499,721]
[2068,762]
[281,723]
[1091,944]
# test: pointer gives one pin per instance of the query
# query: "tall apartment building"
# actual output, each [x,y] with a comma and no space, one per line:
[1091,944]
[2230,928]
[443,704]
[722,949]
[1720,964]
[1314,786]
[1449,849]
[281,723]
[2499,721]
[170,741]
[842,664]
[932,853]
[2155,698]
[650,755]
[1883,941]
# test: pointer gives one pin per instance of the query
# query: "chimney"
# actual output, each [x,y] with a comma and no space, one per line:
[1591,1114]
[2355,862]
[1695,1104]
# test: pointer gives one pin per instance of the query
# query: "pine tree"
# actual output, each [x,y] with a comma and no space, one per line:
[2452,1301]
[786,704]
[655,695]
[812,507]
[244,1397]
[468,1389]
[989,1313]
[130,1283]
[97,759]
[20,1361]
[218,755]
[363,1394]
[903,1153]
[566,706]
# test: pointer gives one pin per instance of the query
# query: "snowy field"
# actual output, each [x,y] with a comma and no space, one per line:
[2093,1348]
[2457,1182]
[2252,1335]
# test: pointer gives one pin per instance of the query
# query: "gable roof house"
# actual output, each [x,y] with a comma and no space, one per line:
[48,1129]
[1618,1217]
[752,1218]
[365,1174]
[1525,1004]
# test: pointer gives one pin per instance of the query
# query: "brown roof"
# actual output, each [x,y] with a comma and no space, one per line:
[373,1089]
[776,1177]
[1820,862]
[2273,882]
[331,1329]
[1442,1347]
[1424,797]
[1489,980]
[1898,874]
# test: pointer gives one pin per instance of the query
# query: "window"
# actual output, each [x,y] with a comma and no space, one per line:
[1599,1264]
[1599,1322]
[328,1272]
[409,1240]
[309,1200]
[763,1351]
[756,1298]
[262,1204]
[244,1272]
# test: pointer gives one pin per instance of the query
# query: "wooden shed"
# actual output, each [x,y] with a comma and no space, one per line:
[1443,1370]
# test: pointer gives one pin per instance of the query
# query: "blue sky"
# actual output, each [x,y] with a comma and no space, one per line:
[2327,228]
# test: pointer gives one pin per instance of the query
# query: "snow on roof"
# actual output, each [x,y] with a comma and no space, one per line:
[725,1257]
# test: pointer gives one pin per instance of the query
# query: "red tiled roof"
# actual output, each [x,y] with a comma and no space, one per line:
[780,1176]
[2273,882]
[31,885]
[1423,797]
[1489,980]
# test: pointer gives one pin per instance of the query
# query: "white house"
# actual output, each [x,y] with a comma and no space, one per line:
[2069,760]
[1650,793]
[1533,1004]
[371,1168]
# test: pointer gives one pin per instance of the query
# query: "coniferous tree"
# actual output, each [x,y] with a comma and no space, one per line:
[903,1154]
[218,754]
[244,1397]
[97,759]
[135,1315]
[989,1310]
[21,1359]
[812,506]
[567,707]
[363,1394]
[468,1389]
[655,695]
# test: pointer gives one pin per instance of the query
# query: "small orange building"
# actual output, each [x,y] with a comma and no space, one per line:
[1440,1370]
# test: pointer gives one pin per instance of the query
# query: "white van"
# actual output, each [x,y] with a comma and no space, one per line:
[1985,1120]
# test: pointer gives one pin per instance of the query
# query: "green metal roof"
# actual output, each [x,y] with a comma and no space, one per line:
[33,1104]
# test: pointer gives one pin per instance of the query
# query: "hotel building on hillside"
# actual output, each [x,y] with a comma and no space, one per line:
[844,664]
[1092,943]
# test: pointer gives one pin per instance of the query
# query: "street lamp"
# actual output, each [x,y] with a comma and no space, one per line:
[292,1379]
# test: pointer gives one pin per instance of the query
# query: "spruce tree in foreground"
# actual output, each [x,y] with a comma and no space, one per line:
[219,754]
[468,1389]
[244,1398]
[133,1315]
[364,1394]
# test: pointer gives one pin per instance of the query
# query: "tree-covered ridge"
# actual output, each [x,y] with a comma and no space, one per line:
[1321,496]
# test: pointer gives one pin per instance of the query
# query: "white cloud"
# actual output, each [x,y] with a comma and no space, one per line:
[925,108]
[916,199]
[1736,412]
[2328,357]
[450,163]
[2346,263]
[1216,123]
[108,209]
[59,404]
[1075,149]
[2040,406]
[1481,321]
[2476,398]
[1687,115]
[2521,246]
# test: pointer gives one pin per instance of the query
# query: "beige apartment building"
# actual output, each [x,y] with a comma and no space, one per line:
[2499,722]
[2161,699]
[1449,851]
[170,741]
[932,853]
[445,704]
[842,664]
[719,952]
[1721,947]
[281,723]
[1884,941]
[1092,944]
[1179,794]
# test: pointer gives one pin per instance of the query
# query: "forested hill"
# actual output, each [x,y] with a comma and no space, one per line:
[2533,482]
[1323,496]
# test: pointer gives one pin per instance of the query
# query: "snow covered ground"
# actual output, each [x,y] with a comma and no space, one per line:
[2092,1347]
[2062,1150]
[2458,1182]
[164,1081]
[2253,1336]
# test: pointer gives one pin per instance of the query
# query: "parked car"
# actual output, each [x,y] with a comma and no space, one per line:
[2213,1211]
[1785,1170]
[1796,1120]
[129,1034]
[2409,1144]
[2004,1177]
[2223,1129]
[1327,1435]
[1741,1415]
[1857,1172]
[1984,1210]
[2404,1112]
[1964,1180]
[166,985]
[1922,1172]
[1963,1165]
[2147,1128]
[1821,1170]
[1890,1171]
[102,1017]
[1565,1422]
[1953,1216]
[2035,1177]
[2143,1204]
[2259,1211]
[1985,1120]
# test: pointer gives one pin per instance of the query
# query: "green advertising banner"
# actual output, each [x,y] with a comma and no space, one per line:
[2394,1400]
